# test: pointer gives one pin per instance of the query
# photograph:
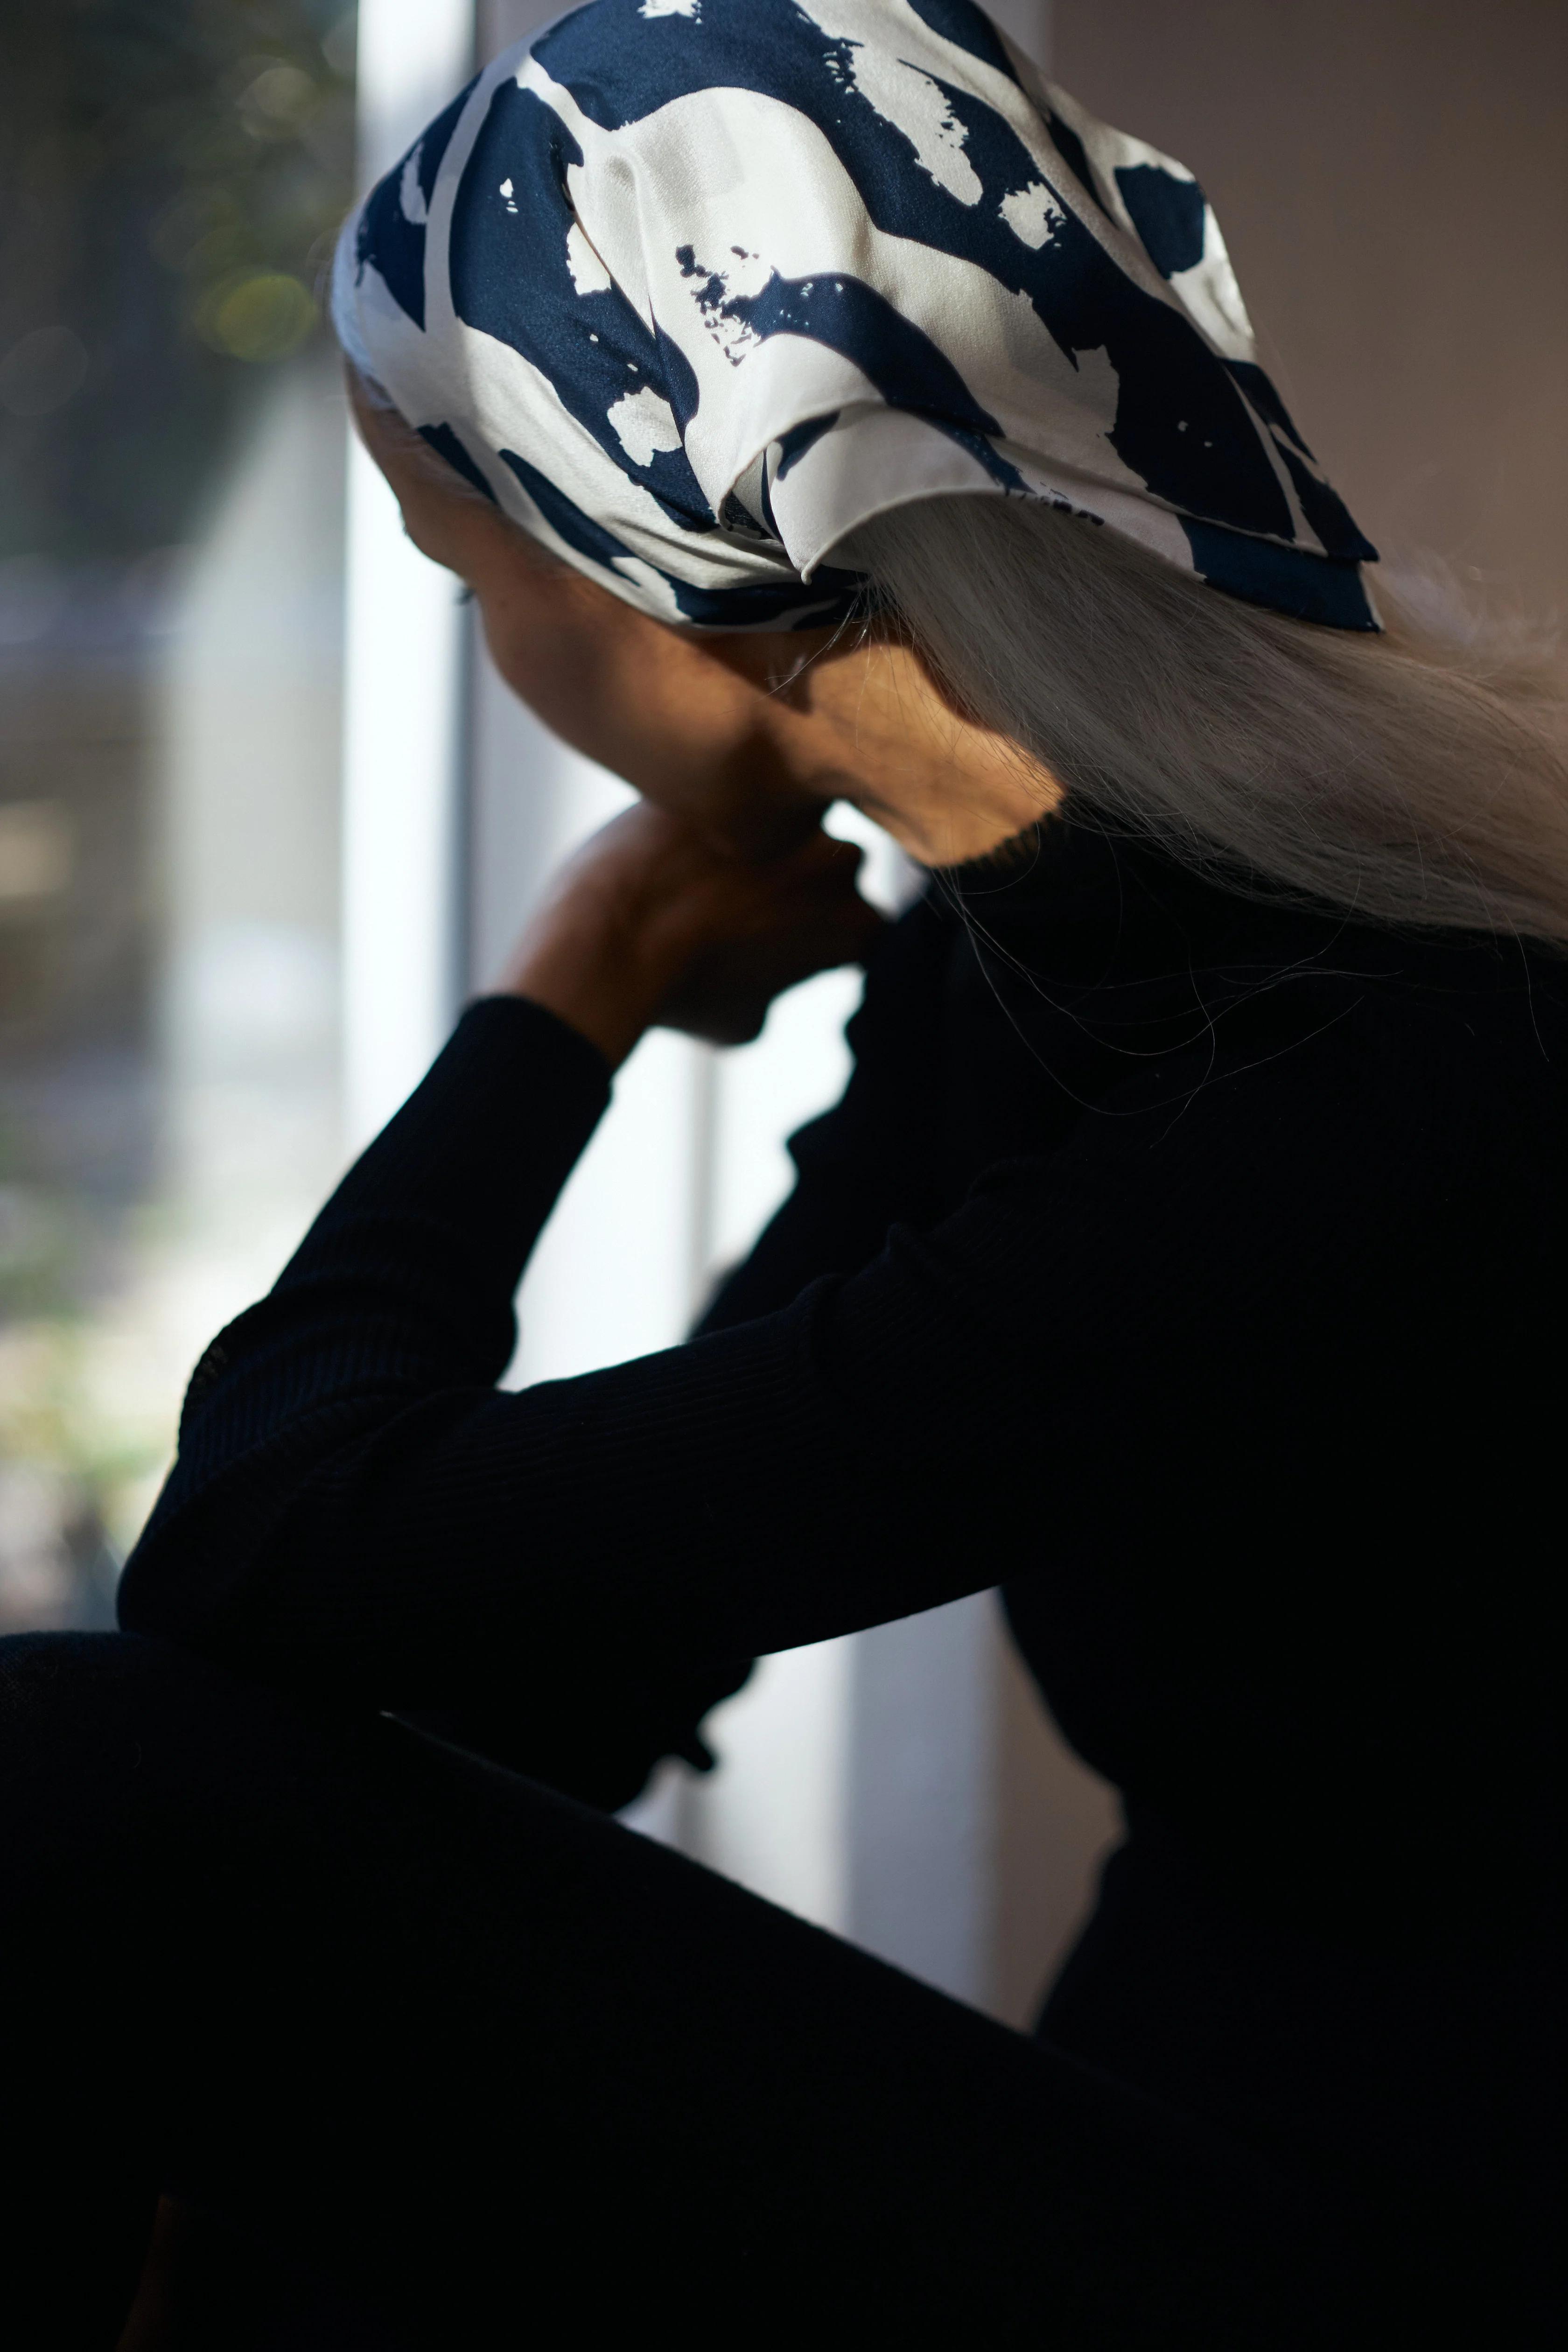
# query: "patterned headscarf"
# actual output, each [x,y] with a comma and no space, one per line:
[691,287]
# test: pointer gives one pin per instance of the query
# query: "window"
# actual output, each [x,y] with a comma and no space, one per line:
[171,597]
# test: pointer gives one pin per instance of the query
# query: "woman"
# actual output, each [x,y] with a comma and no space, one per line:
[820,406]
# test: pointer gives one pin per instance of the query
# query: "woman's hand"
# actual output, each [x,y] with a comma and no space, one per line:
[650,925]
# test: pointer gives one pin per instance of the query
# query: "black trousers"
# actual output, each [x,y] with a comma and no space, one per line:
[507,2072]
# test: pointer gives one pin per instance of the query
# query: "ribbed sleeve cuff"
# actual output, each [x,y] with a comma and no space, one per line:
[485,1142]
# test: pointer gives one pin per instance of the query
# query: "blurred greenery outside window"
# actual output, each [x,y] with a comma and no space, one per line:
[172,174]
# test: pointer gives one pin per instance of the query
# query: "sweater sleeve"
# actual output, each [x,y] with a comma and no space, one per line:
[405,1278]
[356,1508]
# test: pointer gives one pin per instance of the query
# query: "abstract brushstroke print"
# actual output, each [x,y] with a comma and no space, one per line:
[692,288]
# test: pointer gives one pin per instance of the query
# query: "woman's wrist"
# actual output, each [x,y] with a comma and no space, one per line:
[592,974]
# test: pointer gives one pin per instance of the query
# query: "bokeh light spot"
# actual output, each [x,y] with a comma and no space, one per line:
[261,316]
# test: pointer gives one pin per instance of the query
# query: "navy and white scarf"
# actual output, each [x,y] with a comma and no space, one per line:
[691,287]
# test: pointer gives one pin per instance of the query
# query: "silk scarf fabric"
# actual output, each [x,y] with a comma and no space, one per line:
[692,288]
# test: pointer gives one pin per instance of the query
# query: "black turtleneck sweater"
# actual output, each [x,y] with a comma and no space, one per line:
[1192,1268]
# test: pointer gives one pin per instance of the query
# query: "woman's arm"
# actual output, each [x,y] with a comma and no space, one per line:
[406,1280]
[356,1508]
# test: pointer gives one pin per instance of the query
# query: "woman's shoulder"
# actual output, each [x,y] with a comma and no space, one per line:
[1121,936]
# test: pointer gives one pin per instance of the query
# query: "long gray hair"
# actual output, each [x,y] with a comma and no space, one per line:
[1418,777]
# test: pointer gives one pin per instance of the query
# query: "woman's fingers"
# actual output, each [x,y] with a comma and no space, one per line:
[650,925]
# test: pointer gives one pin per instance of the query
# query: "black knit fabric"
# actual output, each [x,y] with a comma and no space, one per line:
[1192,1268]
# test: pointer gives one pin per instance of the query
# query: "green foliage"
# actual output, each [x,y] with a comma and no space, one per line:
[172,176]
